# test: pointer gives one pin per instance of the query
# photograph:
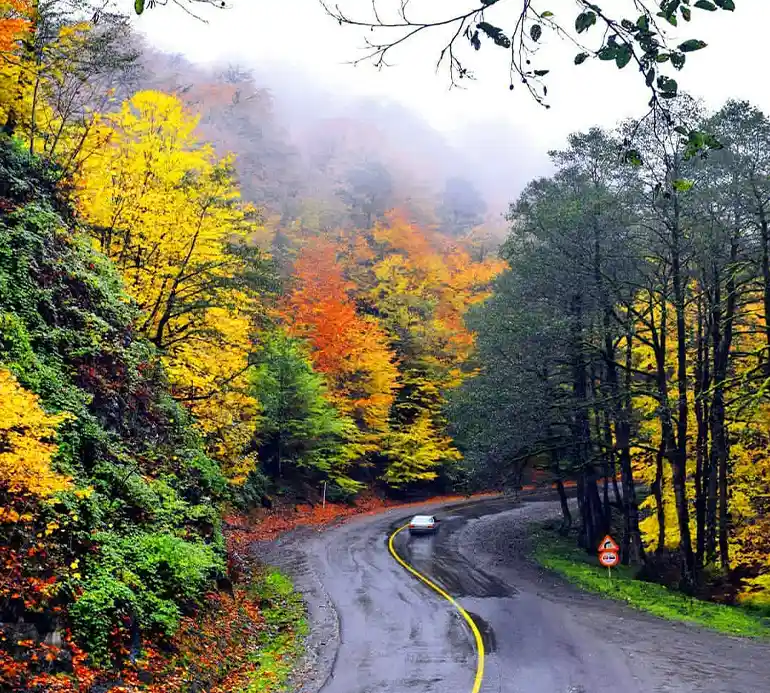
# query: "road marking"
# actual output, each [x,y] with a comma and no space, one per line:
[474,628]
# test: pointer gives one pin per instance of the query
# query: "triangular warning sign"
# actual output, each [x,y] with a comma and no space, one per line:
[608,544]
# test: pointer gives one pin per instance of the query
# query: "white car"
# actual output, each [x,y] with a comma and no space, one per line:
[423,524]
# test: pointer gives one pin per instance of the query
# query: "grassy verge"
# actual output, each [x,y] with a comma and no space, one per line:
[281,640]
[560,555]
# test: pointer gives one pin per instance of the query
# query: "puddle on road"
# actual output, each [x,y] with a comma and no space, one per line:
[433,556]
[487,634]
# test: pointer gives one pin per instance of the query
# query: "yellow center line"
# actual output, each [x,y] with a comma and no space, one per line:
[474,628]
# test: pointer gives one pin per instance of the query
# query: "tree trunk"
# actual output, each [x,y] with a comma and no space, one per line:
[720,440]
[764,236]
[701,386]
[678,454]
[592,514]
[657,492]
[566,516]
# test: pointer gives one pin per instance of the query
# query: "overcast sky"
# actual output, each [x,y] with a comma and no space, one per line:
[298,33]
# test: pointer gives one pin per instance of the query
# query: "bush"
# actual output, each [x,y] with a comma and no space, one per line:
[146,578]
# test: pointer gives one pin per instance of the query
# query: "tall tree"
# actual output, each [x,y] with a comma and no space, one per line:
[165,209]
[300,433]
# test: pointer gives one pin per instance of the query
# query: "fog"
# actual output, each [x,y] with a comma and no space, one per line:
[407,117]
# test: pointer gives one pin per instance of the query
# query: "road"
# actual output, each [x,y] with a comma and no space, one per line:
[377,629]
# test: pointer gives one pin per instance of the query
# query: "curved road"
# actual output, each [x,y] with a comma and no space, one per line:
[377,629]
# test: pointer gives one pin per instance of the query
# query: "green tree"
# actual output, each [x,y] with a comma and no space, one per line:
[301,434]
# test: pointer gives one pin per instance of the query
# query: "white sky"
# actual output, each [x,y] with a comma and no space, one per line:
[298,33]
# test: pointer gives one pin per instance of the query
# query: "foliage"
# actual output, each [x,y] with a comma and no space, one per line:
[140,578]
[139,478]
[419,286]
[166,211]
[25,453]
[13,24]
[637,35]
[631,334]
[58,73]
[300,430]
[351,350]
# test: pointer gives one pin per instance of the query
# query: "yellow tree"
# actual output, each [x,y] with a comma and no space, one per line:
[56,70]
[27,433]
[419,285]
[167,211]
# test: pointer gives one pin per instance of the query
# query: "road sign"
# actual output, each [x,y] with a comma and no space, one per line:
[609,558]
[608,544]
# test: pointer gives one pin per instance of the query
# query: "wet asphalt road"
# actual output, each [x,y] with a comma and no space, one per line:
[377,629]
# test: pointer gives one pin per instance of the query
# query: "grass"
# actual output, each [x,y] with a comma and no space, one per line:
[282,640]
[562,556]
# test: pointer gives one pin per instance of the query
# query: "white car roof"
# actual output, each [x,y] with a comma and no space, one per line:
[422,519]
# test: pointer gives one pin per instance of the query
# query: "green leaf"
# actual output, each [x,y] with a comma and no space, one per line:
[706,5]
[495,33]
[682,185]
[139,6]
[692,45]
[643,23]
[633,157]
[686,14]
[670,18]
[608,52]
[678,60]
[547,14]
[580,58]
[667,86]
[623,56]
[541,73]
[536,31]
[728,5]
[584,21]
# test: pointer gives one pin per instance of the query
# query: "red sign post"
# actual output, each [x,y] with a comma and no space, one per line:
[609,554]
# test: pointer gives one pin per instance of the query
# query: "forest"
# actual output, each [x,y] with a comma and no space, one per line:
[626,347]
[197,318]
[203,314]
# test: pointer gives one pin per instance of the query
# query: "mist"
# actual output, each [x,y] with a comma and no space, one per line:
[296,139]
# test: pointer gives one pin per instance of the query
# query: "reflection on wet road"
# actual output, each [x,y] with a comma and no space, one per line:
[438,556]
[393,634]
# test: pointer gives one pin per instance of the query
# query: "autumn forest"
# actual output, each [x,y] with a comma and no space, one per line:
[199,320]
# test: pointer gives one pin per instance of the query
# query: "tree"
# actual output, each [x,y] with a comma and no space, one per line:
[350,350]
[14,22]
[26,444]
[367,190]
[418,286]
[59,72]
[630,332]
[167,212]
[300,434]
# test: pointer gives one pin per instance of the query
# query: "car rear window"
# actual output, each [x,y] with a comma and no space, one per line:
[422,519]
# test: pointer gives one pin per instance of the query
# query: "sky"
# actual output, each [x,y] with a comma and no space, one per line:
[298,34]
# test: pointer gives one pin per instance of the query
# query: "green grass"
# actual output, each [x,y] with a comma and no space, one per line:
[562,556]
[282,640]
